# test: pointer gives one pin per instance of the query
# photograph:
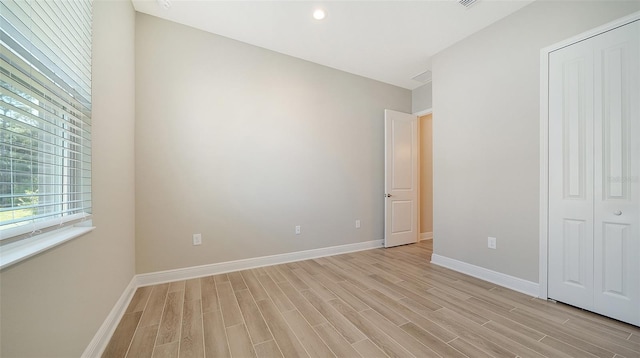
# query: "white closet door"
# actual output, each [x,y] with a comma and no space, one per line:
[594,174]
[571,174]
[617,187]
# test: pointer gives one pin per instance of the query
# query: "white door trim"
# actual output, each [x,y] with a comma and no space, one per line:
[424,112]
[544,138]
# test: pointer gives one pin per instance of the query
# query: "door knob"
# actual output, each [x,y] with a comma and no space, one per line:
[387,195]
[617,213]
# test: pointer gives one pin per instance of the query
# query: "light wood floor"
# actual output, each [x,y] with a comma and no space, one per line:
[375,303]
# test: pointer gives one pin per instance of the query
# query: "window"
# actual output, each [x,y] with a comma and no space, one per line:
[45,118]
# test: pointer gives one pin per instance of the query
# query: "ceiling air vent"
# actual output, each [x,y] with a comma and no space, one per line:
[466,3]
[424,77]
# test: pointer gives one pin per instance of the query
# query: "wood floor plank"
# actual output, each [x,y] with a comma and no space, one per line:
[348,330]
[177,286]
[603,334]
[143,342]
[476,333]
[322,269]
[498,315]
[426,338]
[373,270]
[209,294]
[405,273]
[257,327]
[215,335]
[170,325]
[333,266]
[316,286]
[407,341]
[563,311]
[169,350]
[414,306]
[469,349]
[456,304]
[367,349]
[342,293]
[389,308]
[122,336]
[565,348]
[152,313]
[469,331]
[302,305]
[275,293]
[284,336]
[239,342]
[294,280]
[237,282]
[371,281]
[192,335]
[432,327]
[444,300]
[373,333]
[311,341]
[490,296]
[268,349]
[618,346]
[228,304]
[275,274]
[260,271]
[526,341]
[430,305]
[139,300]
[596,326]
[254,285]
[192,290]
[335,341]
[222,278]
[556,331]
[313,268]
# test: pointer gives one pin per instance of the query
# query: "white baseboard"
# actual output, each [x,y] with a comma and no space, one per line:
[513,283]
[155,278]
[426,236]
[100,340]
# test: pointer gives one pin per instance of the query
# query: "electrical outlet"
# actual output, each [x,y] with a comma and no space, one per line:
[358,224]
[297,229]
[492,242]
[197,239]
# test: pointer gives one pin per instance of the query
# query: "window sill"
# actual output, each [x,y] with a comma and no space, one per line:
[21,250]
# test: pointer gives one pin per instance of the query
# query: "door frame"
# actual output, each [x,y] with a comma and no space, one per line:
[420,114]
[544,139]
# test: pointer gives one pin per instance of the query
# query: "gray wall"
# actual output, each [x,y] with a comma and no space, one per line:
[486,135]
[421,98]
[241,144]
[53,303]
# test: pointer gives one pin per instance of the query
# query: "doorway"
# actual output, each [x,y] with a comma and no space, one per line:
[426,177]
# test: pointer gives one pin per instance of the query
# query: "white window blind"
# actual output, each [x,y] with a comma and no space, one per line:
[45,115]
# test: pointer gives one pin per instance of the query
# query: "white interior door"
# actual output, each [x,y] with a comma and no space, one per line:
[594,174]
[401,178]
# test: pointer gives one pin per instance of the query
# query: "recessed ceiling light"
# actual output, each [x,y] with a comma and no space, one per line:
[319,14]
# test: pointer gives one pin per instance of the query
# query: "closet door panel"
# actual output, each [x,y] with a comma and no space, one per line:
[571,176]
[617,163]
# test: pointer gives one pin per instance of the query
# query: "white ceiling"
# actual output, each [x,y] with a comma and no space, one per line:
[389,41]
